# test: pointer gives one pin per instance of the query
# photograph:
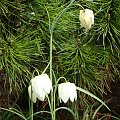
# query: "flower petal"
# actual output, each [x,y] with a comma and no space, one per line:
[46,83]
[86,18]
[89,16]
[37,88]
[73,92]
[41,86]
[63,92]
[34,97]
[67,90]
[41,95]
[81,18]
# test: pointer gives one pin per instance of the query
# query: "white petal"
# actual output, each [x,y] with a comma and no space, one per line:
[73,92]
[86,18]
[46,83]
[37,89]
[34,97]
[63,92]
[41,95]
[67,90]
[60,91]
[90,16]
[81,18]
[41,85]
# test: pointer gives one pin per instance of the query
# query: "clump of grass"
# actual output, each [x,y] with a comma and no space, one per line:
[21,45]
[85,65]
[17,54]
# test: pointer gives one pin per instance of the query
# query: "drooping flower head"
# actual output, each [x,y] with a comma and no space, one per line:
[67,91]
[86,18]
[41,85]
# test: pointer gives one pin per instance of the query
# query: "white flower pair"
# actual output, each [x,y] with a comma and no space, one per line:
[42,85]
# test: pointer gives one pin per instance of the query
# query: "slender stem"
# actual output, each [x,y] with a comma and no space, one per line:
[51,108]
[31,110]
[50,63]
[46,68]
[51,38]
[14,112]
[52,93]
[31,104]
[80,6]
[51,56]
[52,99]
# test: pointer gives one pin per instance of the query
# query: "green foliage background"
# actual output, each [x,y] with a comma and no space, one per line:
[91,60]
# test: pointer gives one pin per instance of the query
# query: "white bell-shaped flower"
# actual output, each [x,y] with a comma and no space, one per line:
[67,91]
[86,18]
[41,85]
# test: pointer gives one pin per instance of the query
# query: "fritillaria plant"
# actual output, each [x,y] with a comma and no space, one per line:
[41,86]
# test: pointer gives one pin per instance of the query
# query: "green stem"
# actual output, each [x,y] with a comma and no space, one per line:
[31,110]
[80,6]
[51,56]
[51,107]
[14,112]
[93,96]
[52,99]
[51,38]
[31,104]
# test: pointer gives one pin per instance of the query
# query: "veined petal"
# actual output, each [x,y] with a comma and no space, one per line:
[60,91]
[42,81]
[90,16]
[38,90]
[86,18]
[81,18]
[67,90]
[63,92]
[41,95]
[46,83]
[73,92]
[41,86]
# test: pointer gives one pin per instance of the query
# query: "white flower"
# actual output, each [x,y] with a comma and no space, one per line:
[32,13]
[41,85]
[86,18]
[67,91]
